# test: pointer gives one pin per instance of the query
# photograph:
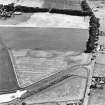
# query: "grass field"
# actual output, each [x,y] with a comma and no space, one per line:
[44,38]
[8,82]
[60,4]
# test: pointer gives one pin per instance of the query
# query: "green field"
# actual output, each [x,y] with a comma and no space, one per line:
[8,82]
[44,38]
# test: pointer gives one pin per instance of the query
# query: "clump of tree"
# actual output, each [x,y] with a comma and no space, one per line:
[91,45]
[85,7]
[7,11]
[52,10]
[102,33]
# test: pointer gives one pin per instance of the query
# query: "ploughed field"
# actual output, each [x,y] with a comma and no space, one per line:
[35,68]
[31,66]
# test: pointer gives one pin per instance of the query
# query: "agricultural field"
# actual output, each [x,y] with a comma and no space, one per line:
[61,4]
[47,55]
[33,19]
[32,66]
[44,38]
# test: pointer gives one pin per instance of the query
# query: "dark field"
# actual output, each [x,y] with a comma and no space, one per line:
[8,82]
[58,4]
[63,4]
[44,38]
